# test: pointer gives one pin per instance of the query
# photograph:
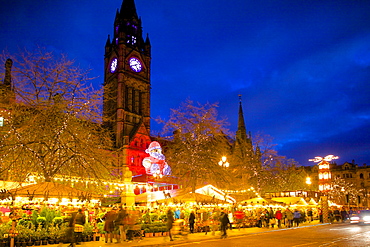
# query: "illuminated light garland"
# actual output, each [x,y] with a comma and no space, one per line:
[117,186]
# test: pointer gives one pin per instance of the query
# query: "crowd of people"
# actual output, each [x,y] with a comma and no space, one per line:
[118,220]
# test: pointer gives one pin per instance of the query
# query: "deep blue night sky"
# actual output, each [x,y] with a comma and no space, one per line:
[302,67]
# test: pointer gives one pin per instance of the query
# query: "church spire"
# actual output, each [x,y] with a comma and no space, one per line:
[128,10]
[6,88]
[241,133]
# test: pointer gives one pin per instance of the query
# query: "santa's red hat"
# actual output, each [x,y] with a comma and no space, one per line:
[152,146]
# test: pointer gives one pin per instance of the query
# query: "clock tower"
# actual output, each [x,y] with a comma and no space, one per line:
[126,108]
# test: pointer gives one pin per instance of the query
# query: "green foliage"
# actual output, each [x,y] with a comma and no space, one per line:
[24,232]
[34,217]
[88,229]
[55,232]
[100,227]
[58,220]
[146,218]
[163,217]
[41,220]
[153,217]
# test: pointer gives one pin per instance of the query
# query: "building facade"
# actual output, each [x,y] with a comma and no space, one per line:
[126,109]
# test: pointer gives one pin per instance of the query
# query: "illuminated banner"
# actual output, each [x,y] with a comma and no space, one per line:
[156,164]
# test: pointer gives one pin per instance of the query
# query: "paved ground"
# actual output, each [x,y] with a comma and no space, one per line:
[165,241]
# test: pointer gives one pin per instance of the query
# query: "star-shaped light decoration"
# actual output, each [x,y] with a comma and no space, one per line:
[329,157]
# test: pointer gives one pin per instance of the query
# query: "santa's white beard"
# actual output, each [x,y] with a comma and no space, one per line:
[158,156]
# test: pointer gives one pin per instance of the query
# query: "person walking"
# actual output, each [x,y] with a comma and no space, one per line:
[343,214]
[121,223]
[309,215]
[215,221]
[289,217]
[278,217]
[70,233]
[296,217]
[109,219]
[80,220]
[170,220]
[191,221]
[224,220]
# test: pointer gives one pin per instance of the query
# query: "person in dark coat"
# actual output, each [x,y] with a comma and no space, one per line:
[191,221]
[170,220]
[343,214]
[109,219]
[224,220]
[80,220]
[121,224]
[70,233]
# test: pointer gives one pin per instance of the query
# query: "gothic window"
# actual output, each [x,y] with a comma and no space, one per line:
[361,176]
[1,121]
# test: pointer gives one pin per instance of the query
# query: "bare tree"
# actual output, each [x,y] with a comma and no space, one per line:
[197,143]
[345,192]
[274,172]
[54,126]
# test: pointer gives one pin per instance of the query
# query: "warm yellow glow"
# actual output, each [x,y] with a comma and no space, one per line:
[53,200]
[223,159]
[324,166]
[308,180]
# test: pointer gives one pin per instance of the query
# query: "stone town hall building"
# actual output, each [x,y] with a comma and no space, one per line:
[126,110]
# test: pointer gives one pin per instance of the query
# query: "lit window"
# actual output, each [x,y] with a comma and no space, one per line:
[1,121]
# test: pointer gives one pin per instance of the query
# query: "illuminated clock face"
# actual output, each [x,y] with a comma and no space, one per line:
[135,64]
[113,65]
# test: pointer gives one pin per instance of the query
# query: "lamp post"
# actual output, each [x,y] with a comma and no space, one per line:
[309,182]
[223,162]
[324,182]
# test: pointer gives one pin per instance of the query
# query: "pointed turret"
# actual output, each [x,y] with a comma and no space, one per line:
[241,133]
[8,73]
[147,45]
[6,88]
[128,10]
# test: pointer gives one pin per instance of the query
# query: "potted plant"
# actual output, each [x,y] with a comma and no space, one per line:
[58,220]
[39,235]
[148,232]
[22,236]
[54,234]
[88,231]
[164,231]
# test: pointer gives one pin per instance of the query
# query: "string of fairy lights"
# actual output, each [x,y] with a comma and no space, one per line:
[113,186]
[250,190]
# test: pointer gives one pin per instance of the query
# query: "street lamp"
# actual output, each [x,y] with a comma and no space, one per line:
[308,181]
[223,162]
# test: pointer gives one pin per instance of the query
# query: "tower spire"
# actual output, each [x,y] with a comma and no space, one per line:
[128,10]
[241,133]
